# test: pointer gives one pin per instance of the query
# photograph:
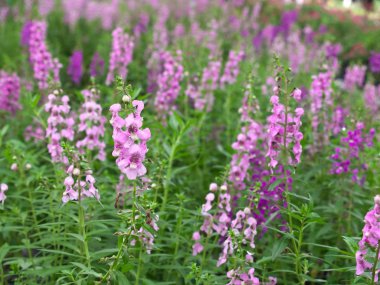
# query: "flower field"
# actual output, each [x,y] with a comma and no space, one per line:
[188,142]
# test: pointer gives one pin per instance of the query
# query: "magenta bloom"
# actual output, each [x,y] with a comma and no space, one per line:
[374,62]
[130,140]
[40,58]
[3,188]
[96,65]
[75,68]
[370,240]
[9,92]
[91,125]
[121,55]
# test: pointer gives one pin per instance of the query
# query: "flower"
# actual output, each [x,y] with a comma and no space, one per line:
[75,68]
[40,58]
[370,240]
[121,55]
[3,188]
[130,140]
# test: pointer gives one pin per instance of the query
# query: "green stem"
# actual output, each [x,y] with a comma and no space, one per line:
[375,264]
[138,268]
[169,172]
[82,230]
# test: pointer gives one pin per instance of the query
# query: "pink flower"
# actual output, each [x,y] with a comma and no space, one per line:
[3,189]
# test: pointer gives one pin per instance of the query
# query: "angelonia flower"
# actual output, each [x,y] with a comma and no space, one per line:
[75,68]
[214,222]
[142,26]
[34,132]
[338,120]
[130,140]
[9,92]
[59,125]
[3,189]
[354,77]
[346,158]
[249,166]
[321,99]
[374,62]
[96,65]
[366,256]
[284,132]
[372,98]
[91,123]
[202,94]
[40,58]
[169,83]
[244,147]
[145,236]
[239,277]
[332,52]
[78,185]
[231,70]
[121,55]
[25,33]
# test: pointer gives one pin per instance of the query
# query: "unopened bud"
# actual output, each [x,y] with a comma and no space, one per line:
[126,99]
[14,167]
[76,171]
[28,166]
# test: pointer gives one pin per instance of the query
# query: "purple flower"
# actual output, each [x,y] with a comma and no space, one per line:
[75,68]
[374,62]
[169,83]
[96,65]
[40,58]
[130,140]
[370,240]
[9,92]
[121,55]
[3,188]
[92,125]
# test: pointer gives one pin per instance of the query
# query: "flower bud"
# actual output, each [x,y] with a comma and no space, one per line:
[126,99]
[213,187]
[28,166]
[14,167]
[76,171]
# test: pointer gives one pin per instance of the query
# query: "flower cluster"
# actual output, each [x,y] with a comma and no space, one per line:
[92,124]
[40,58]
[96,65]
[168,82]
[284,129]
[237,277]
[202,94]
[372,97]
[130,140]
[60,125]
[338,120]
[244,147]
[121,55]
[354,77]
[332,52]
[75,68]
[374,62]
[3,188]
[321,99]
[219,221]
[145,236]
[370,241]
[347,157]
[9,92]
[214,222]
[34,132]
[231,70]
[78,187]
